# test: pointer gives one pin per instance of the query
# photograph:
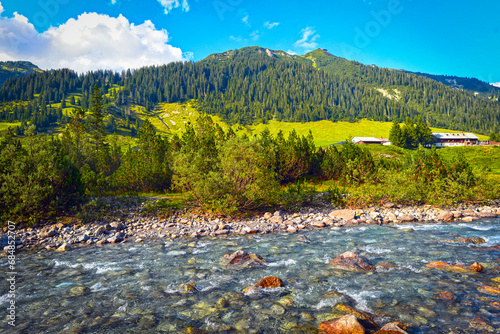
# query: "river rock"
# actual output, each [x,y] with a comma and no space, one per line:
[47,233]
[64,247]
[265,283]
[83,238]
[446,295]
[490,290]
[447,216]
[487,215]
[117,226]
[476,267]
[346,325]
[391,217]
[115,240]
[406,218]
[242,258]
[79,291]
[345,214]
[389,205]
[481,325]
[303,238]
[393,328]
[268,215]
[276,219]
[188,288]
[351,261]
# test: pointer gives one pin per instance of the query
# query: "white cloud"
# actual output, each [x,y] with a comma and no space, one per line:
[290,52]
[92,41]
[255,35]
[113,2]
[308,40]
[245,20]
[236,39]
[171,4]
[1,8]
[270,25]
[496,84]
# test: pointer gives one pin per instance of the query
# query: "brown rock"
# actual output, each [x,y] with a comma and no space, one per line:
[265,283]
[47,234]
[346,325]
[352,262]
[487,215]
[389,205]
[242,258]
[345,214]
[476,267]
[392,328]
[318,224]
[481,325]
[446,295]
[117,226]
[447,216]
[268,215]
[407,218]
[391,217]
[490,290]
[270,282]
[276,220]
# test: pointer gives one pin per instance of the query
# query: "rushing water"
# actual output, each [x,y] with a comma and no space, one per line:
[134,287]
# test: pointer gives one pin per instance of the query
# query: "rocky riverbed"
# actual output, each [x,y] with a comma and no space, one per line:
[129,223]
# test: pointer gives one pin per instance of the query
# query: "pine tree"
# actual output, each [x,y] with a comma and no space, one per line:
[97,129]
[396,136]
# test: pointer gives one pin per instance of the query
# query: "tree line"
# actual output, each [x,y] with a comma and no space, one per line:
[252,87]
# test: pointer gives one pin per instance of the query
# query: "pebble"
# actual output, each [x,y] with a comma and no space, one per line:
[132,224]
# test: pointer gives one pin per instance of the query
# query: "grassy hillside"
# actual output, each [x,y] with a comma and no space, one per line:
[15,69]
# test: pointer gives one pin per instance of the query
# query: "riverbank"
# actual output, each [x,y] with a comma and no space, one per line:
[129,222]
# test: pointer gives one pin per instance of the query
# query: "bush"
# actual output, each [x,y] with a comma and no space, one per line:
[230,175]
[38,179]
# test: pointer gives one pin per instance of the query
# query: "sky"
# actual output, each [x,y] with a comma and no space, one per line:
[440,37]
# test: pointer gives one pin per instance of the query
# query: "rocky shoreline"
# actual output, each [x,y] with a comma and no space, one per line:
[130,224]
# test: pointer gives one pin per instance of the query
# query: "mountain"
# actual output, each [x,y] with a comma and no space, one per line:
[255,85]
[15,69]
[471,84]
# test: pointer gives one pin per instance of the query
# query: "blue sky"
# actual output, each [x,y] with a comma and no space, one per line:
[460,38]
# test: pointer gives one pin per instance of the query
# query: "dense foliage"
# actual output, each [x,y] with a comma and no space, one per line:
[411,134]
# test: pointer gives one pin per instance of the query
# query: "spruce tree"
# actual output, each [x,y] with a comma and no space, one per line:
[395,136]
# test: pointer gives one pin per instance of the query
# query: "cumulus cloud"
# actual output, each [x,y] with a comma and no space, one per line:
[92,41]
[290,52]
[496,84]
[171,4]
[1,8]
[308,40]
[270,25]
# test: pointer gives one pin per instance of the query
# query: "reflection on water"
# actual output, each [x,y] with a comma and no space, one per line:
[134,287]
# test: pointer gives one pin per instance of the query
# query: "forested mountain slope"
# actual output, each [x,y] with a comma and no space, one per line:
[253,85]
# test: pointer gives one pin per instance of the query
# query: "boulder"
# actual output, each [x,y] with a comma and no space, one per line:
[345,214]
[476,267]
[265,283]
[115,240]
[487,215]
[346,325]
[242,258]
[407,218]
[351,261]
[447,216]
[270,282]
[268,215]
[276,219]
[389,205]
[391,217]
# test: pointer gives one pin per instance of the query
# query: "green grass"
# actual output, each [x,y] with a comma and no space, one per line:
[5,125]
[327,132]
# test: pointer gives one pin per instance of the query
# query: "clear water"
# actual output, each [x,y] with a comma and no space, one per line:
[134,287]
